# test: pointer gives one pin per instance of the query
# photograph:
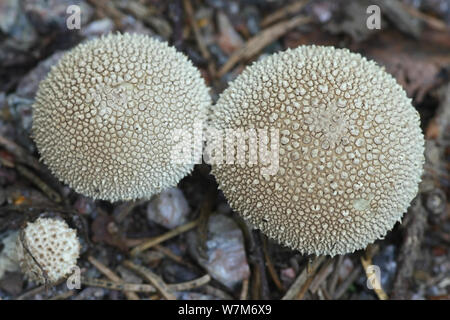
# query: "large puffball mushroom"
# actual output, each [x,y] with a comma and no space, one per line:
[350,149]
[47,250]
[106,117]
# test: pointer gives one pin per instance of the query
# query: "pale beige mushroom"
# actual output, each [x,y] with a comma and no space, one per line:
[105,116]
[48,250]
[350,149]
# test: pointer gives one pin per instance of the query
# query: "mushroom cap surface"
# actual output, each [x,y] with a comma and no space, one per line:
[53,245]
[350,149]
[105,116]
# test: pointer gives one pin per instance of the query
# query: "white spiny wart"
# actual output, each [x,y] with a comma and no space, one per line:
[50,251]
[326,121]
[103,117]
[351,149]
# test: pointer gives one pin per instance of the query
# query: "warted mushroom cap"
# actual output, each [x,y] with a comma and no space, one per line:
[350,149]
[50,251]
[104,117]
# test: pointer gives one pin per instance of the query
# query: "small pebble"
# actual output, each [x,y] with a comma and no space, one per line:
[226,260]
[169,208]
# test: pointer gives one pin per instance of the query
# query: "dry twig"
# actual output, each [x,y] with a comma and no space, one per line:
[376,284]
[271,268]
[347,283]
[244,290]
[216,292]
[261,40]
[409,250]
[28,294]
[51,194]
[126,209]
[107,8]
[335,276]
[299,283]
[261,285]
[188,285]
[153,278]
[144,288]
[169,254]
[431,21]
[198,37]
[111,276]
[20,153]
[284,12]
[323,293]
[322,275]
[314,279]
[169,235]
[34,291]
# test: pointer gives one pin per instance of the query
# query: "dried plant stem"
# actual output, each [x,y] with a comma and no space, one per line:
[30,293]
[271,268]
[34,291]
[347,283]
[144,288]
[376,284]
[20,153]
[169,235]
[322,275]
[335,276]
[284,12]
[244,290]
[198,37]
[261,40]
[153,278]
[111,285]
[188,285]
[49,192]
[409,250]
[304,288]
[111,276]
[107,8]
[169,254]
[299,283]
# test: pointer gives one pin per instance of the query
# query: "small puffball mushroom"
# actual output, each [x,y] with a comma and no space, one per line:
[50,243]
[350,149]
[105,118]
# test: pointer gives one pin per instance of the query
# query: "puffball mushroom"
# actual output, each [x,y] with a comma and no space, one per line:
[103,119]
[350,149]
[51,247]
